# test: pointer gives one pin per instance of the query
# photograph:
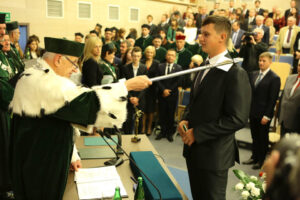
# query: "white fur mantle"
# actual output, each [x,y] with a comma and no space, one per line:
[40,91]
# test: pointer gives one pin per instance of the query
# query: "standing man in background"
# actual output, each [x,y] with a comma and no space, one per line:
[265,89]
[219,106]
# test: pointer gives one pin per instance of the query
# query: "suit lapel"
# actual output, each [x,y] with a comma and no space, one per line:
[139,72]
[131,74]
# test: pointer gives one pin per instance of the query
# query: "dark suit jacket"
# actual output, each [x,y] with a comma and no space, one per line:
[238,42]
[199,20]
[260,12]
[296,48]
[218,108]
[246,26]
[92,73]
[171,84]
[163,27]
[264,95]
[288,12]
[127,71]
[266,38]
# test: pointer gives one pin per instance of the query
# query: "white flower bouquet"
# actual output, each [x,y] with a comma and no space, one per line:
[251,187]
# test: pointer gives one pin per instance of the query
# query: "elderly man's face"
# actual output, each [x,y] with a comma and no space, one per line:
[291,21]
[66,65]
[259,21]
[5,42]
[259,35]
[16,35]
[123,47]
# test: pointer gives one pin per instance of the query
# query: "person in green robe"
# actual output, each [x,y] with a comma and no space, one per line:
[7,73]
[109,71]
[161,52]
[14,36]
[44,116]
[146,39]
[183,58]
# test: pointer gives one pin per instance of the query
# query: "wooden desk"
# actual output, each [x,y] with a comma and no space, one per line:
[123,170]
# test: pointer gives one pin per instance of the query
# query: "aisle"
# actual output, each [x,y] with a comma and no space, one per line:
[171,152]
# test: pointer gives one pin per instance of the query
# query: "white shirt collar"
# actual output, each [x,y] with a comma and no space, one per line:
[221,58]
[265,72]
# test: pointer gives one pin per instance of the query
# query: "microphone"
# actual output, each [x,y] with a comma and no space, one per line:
[115,161]
[117,130]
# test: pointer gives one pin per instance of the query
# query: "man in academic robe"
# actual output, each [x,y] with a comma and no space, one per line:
[168,96]
[219,106]
[146,39]
[78,37]
[14,36]
[265,86]
[7,73]
[161,52]
[135,99]
[44,116]
[183,57]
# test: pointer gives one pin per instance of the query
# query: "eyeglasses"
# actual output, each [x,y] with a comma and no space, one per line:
[74,64]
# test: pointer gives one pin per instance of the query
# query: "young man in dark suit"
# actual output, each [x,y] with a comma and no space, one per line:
[265,89]
[219,106]
[135,99]
[237,34]
[168,96]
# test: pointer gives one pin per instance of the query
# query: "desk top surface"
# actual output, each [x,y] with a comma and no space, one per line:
[123,170]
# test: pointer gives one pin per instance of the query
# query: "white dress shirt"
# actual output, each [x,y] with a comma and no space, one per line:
[286,44]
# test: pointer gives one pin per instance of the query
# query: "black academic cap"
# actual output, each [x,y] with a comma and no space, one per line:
[63,46]
[146,26]
[10,26]
[107,29]
[79,34]
[99,25]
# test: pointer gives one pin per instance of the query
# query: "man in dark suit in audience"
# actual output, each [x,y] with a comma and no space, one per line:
[245,11]
[153,27]
[290,105]
[265,89]
[237,34]
[168,96]
[288,11]
[249,22]
[219,106]
[216,8]
[135,99]
[163,25]
[258,9]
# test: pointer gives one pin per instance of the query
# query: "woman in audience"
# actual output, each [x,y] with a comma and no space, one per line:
[282,170]
[171,34]
[278,20]
[150,95]
[31,51]
[92,74]
[269,23]
[127,59]
[265,14]
[190,31]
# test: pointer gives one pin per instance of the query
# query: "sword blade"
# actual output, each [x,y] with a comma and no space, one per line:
[189,71]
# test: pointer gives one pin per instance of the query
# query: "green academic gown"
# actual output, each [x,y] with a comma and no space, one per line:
[160,54]
[109,73]
[15,56]
[183,58]
[143,43]
[42,130]
[6,94]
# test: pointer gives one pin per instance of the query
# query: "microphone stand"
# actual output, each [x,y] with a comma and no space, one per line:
[133,162]
[117,160]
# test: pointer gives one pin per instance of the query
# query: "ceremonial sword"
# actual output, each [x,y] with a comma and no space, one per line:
[188,71]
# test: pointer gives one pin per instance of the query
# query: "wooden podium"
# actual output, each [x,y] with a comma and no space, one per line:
[123,170]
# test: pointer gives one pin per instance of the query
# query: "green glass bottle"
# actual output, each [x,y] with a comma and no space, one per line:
[139,193]
[117,195]
[27,55]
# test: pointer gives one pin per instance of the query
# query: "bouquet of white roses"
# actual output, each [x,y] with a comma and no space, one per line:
[251,187]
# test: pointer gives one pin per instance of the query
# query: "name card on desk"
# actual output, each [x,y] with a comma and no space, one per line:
[147,162]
